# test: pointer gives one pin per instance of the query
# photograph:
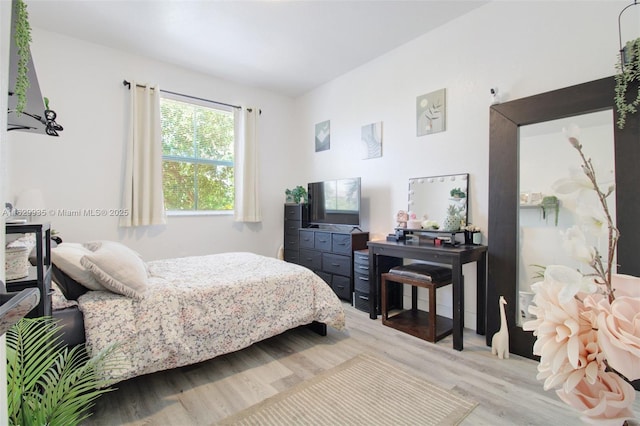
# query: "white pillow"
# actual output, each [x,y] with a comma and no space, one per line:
[116,267]
[66,256]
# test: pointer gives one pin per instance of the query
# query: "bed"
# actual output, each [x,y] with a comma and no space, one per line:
[175,312]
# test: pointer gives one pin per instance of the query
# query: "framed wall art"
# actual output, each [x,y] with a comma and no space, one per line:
[431,112]
[372,140]
[323,136]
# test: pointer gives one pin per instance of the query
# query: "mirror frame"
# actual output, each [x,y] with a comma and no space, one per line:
[448,201]
[505,120]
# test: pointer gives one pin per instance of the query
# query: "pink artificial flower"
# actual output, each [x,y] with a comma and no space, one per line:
[619,336]
[608,401]
[625,285]
[587,361]
[618,325]
[566,341]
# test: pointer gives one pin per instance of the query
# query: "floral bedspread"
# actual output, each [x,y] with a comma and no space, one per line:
[197,308]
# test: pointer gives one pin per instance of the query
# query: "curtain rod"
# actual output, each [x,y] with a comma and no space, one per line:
[128,84]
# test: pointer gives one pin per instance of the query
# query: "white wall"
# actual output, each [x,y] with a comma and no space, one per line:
[523,48]
[83,168]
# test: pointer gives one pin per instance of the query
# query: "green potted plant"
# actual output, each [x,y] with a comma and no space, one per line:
[548,204]
[296,194]
[48,383]
[453,220]
[628,71]
[22,37]
[457,193]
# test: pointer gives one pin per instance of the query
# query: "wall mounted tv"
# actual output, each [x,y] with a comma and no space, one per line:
[335,202]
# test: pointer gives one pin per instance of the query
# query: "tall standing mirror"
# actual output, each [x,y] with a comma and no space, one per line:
[545,157]
[509,122]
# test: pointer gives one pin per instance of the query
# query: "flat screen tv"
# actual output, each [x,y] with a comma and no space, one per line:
[335,202]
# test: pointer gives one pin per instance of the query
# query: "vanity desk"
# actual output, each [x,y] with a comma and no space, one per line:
[452,256]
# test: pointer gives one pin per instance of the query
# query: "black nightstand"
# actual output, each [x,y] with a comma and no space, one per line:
[40,274]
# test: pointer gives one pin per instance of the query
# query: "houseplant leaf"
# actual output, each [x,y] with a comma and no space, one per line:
[49,383]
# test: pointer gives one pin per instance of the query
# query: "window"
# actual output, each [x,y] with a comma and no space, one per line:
[197,160]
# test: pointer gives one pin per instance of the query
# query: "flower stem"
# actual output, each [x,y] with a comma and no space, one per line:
[613,233]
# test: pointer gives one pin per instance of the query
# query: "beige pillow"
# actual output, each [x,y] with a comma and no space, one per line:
[66,256]
[116,267]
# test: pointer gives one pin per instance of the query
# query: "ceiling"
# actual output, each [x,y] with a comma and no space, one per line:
[288,47]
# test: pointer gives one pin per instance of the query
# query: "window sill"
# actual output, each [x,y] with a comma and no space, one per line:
[180,213]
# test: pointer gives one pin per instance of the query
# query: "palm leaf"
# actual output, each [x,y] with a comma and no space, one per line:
[27,341]
[48,383]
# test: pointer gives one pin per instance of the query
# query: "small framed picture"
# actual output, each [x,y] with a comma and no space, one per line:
[323,136]
[431,112]
[372,140]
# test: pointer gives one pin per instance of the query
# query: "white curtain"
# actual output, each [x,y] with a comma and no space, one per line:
[142,194]
[247,202]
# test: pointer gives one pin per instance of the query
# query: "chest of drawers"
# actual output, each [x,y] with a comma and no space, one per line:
[327,252]
[296,216]
[361,282]
[330,255]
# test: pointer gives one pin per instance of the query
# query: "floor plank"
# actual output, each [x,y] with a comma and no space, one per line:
[507,391]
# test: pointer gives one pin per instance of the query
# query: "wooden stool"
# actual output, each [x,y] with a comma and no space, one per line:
[425,325]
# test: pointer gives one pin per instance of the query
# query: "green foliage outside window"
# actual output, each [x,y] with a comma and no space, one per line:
[197,144]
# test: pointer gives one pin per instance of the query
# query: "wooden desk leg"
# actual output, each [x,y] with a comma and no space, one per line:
[414,298]
[481,296]
[384,310]
[432,307]
[458,304]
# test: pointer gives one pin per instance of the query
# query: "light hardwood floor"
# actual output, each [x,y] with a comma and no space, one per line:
[506,391]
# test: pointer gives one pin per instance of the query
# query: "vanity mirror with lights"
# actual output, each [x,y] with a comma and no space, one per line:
[431,197]
[527,153]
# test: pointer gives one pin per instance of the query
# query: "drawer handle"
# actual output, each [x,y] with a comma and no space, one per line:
[366,268]
[363,297]
[340,287]
[363,278]
[335,264]
[323,241]
[342,244]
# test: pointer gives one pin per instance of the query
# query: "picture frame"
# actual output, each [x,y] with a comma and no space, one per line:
[431,113]
[323,136]
[371,137]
